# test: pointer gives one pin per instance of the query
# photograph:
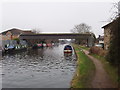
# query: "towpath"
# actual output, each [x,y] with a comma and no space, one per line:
[101,78]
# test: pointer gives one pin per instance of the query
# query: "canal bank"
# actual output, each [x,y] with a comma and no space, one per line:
[84,71]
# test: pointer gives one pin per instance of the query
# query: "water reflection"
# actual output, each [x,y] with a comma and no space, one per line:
[68,56]
[39,68]
[36,52]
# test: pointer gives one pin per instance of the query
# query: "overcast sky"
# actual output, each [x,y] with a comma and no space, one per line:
[55,16]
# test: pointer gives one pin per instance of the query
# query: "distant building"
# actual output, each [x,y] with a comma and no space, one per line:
[13,33]
[100,40]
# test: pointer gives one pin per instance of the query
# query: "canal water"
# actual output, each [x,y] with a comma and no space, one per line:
[41,68]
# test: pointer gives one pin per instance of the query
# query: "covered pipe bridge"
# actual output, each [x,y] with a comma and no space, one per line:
[90,38]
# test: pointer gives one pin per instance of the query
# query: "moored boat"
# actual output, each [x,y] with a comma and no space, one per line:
[68,49]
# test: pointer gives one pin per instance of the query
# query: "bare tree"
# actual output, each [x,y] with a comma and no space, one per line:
[81,28]
[115,11]
[36,30]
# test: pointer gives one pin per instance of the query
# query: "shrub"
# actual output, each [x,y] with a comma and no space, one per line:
[97,50]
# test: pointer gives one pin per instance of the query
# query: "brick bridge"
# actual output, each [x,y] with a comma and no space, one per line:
[37,38]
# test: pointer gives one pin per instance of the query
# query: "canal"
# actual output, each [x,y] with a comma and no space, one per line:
[41,68]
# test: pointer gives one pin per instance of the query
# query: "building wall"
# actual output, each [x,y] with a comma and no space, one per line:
[9,36]
[107,36]
[5,37]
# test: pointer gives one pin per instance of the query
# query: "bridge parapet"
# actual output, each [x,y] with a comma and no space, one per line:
[54,36]
[37,37]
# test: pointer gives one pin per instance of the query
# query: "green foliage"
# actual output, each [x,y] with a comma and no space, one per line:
[85,70]
[17,39]
[84,47]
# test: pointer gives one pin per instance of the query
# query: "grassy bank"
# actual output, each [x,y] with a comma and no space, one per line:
[112,71]
[84,72]
[83,47]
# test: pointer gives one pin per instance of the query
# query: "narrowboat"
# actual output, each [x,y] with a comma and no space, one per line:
[68,49]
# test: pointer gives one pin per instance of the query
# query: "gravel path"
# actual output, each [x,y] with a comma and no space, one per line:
[101,78]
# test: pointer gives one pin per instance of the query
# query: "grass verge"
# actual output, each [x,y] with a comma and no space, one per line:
[111,70]
[84,47]
[84,71]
